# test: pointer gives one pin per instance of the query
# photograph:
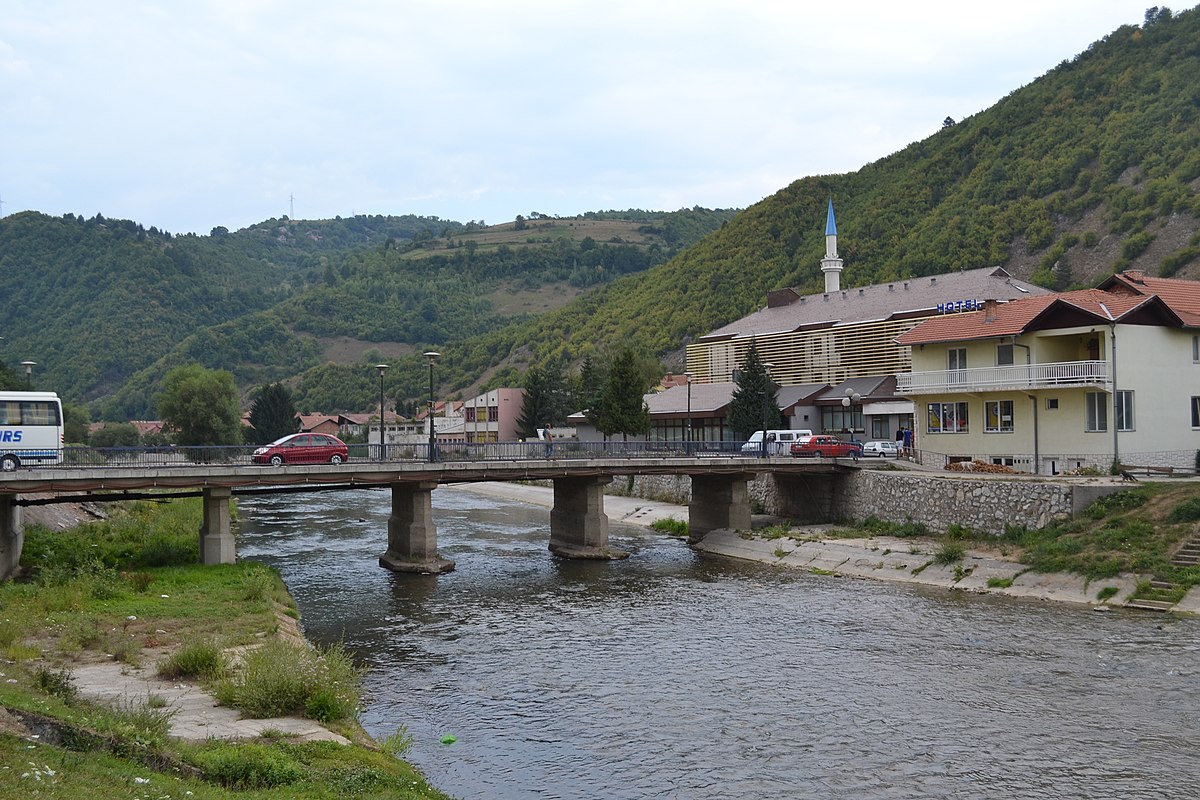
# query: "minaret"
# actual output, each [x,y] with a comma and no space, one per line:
[831,265]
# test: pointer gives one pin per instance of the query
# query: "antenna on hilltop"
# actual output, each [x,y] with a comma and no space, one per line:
[291,206]
[1,206]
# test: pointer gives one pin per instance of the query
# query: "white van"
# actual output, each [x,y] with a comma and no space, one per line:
[777,441]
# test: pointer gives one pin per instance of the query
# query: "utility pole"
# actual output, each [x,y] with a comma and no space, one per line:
[292,207]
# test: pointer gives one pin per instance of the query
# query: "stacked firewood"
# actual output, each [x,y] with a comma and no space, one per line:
[981,466]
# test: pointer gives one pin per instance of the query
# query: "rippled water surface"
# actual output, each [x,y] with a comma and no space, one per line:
[671,675]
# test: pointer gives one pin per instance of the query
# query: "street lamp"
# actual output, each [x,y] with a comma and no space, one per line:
[688,447]
[766,399]
[432,356]
[28,365]
[381,368]
[851,400]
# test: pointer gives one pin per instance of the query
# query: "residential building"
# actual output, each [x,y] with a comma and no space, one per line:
[488,417]
[1062,382]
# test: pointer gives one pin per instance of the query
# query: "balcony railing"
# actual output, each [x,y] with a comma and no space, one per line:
[1060,375]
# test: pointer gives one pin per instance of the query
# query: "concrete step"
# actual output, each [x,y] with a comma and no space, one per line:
[1186,561]
[1150,605]
[1164,585]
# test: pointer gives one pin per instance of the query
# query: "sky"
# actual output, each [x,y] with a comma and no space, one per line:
[193,114]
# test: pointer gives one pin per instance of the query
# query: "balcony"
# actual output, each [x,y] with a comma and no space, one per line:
[1063,375]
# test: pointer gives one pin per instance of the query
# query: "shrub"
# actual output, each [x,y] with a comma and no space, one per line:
[949,552]
[202,660]
[1107,592]
[247,765]
[1187,511]
[670,525]
[1119,501]
[279,679]
[999,583]
[56,682]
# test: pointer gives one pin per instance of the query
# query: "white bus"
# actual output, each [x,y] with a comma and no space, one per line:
[31,429]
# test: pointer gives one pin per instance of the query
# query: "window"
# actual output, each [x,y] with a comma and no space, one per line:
[1004,355]
[998,416]
[1196,349]
[1123,409]
[1096,405]
[956,358]
[879,428]
[946,418]
[1051,403]
[1196,412]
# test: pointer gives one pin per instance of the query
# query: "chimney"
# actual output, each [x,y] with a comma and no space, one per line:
[989,311]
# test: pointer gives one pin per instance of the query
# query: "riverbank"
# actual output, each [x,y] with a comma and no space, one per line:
[894,559]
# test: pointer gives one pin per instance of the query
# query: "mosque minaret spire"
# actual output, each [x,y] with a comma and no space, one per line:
[831,265]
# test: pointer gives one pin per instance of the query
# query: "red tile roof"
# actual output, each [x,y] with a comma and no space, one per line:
[1183,297]
[1020,316]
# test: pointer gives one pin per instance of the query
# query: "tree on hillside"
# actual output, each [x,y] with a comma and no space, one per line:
[116,434]
[753,398]
[622,407]
[200,406]
[272,415]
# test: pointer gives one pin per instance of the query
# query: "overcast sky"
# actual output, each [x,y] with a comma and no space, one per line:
[191,114]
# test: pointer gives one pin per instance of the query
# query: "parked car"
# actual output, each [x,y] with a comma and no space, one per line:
[302,448]
[827,446]
[778,441]
[882,448]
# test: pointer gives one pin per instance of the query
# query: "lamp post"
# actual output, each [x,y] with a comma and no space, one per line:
[766,399]
[29,365]
[432,356]
[381,368]
[852,399]
[687,448]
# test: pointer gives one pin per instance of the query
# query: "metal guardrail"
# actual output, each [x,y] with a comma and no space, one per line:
[77,457]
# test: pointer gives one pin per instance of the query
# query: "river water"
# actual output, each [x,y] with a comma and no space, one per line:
[676,675]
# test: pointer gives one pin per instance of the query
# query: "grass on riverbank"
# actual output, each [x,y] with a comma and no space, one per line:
[1133,531]
[128,589]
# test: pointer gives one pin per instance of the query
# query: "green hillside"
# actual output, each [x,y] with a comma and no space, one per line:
[1090,169]
[106,307]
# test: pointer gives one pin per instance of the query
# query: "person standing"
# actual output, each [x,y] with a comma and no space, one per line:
[908,443]
[549,442]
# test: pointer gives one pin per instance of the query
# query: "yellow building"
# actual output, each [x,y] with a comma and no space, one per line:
[1056,383]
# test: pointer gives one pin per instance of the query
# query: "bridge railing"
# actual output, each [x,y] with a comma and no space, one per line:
[243,455]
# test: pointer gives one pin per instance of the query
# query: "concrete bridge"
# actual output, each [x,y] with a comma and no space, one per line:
[578,525]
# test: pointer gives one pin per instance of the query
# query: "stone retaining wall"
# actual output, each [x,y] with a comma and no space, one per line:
[985,505]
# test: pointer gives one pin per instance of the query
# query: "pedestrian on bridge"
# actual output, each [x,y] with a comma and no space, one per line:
[549,442]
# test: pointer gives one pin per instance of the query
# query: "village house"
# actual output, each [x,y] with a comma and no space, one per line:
[1066,381]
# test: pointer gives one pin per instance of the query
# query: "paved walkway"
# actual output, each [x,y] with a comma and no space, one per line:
[195,715]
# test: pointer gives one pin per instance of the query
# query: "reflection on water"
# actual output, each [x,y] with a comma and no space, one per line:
[680,676]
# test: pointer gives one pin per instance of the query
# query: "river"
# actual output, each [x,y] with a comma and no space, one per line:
[675,675]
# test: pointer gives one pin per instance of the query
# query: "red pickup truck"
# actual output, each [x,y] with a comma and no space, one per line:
[828,446]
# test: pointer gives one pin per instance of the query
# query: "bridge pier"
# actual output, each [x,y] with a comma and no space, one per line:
[412,536]
[216,536]
[718,502]
[578,525]
[12,536]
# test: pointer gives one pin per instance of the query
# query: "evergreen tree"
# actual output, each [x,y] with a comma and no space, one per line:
[272,415]
[590,388]
[753,398]
[622,407]
[546,399]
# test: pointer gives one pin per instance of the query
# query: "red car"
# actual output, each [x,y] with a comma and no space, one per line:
[827,446]
[302,448]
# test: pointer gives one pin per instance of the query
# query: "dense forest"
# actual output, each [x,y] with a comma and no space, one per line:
[106,307]
[1092,168]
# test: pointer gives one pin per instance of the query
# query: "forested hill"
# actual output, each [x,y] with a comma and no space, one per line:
[1092,168]
[105,306]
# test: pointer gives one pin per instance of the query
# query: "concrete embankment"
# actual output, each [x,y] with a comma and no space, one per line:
[876,558]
